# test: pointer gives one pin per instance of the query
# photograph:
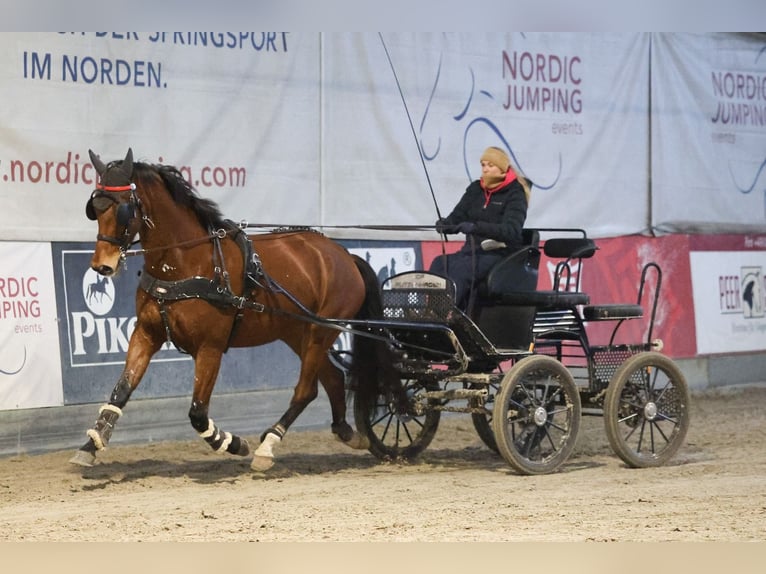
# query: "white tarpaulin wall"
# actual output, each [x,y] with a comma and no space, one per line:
[570,108]
[239,113]
[310,129]
[708,132]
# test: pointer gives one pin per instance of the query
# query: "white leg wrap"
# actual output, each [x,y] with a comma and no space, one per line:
[266,448]
[226,442]
[113,408]
[357,441]
[210,429]
[104,425]
[213,434]
[92,434]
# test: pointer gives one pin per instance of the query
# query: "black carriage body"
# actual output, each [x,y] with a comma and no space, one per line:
[516,344]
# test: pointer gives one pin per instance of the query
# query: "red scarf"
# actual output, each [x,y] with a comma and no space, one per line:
[509,177]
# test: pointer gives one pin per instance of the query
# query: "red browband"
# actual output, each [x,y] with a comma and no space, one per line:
[130,187]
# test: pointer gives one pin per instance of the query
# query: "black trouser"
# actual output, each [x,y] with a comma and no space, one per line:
[466,267]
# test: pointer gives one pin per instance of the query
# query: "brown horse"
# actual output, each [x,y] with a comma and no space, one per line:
[206,286]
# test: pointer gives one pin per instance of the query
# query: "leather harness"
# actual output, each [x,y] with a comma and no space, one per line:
[217,290]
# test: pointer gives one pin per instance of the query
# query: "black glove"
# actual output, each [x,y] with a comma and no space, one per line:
[444,227]
[466,227]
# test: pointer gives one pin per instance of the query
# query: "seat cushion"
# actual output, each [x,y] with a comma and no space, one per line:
[612,311]
[545,299]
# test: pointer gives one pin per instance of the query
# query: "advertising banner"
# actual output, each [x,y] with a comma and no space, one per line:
[613,275]
[708,133]
[312,129]
[729,300]
[30,373]
[236,112]
[570,109]
[620,133]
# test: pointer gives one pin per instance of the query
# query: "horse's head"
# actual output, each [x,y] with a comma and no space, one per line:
[116,207]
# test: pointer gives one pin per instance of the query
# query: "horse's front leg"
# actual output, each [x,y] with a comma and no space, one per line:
[141,348]
[207,363]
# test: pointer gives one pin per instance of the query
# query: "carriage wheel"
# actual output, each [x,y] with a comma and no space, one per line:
[537,415]
[646,410]
[396,431]
[482,422]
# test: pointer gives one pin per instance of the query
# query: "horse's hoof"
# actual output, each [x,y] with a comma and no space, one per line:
[262,463]
[244,448]
[357,441]
[83,458]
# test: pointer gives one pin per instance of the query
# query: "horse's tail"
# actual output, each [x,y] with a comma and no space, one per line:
[372,361]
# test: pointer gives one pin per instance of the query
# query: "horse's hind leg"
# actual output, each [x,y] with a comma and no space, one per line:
[333,381]
[305,392]
[206,366]
[315,366]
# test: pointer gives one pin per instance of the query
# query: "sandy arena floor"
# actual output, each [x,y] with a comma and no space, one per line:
[458,490]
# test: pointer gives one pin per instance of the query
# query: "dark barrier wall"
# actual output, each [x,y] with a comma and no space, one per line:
[97,315]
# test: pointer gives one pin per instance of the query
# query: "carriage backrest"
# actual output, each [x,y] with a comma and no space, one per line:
[567,250]
[517,271]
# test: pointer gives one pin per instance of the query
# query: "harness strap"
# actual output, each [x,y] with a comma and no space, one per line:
[165,322]
[195,288]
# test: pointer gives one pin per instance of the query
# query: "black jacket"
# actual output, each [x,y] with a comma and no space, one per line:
[501,219]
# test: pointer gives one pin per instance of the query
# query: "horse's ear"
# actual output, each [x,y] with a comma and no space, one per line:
[97,163]
[127,163]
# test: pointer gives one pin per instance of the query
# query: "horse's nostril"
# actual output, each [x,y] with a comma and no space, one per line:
[104,270]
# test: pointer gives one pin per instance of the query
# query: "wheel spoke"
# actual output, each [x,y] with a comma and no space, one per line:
[387,427]
[557,426]
[660,431]
[665,417]
[386,413]
[406,430]
[550,438]
[641,435]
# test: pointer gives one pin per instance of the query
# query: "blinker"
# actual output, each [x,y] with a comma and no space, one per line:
[125,213]
[98,203]
[90,211]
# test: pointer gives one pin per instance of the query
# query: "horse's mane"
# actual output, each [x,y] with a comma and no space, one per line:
[183,193]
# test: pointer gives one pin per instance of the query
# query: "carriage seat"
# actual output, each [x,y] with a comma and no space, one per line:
[612,312]
[544,299]
[505,285]
[582,248]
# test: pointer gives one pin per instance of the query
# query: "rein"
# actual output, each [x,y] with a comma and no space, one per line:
[217,234]
[246,225]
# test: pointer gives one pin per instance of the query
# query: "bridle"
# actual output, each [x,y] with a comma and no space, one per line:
[128,209]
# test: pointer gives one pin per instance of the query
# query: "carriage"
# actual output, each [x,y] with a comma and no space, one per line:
[522,365]
[520,362]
